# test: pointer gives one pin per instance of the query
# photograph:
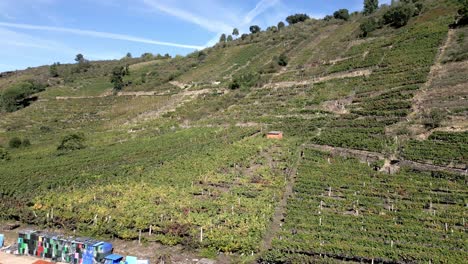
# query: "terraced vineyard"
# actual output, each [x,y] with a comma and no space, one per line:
[180,157]
[342,209]
[217,183]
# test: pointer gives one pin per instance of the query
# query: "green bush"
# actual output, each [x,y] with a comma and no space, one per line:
[463,13]
[72,142]
[342,14]
[370,6]
[293,19]
[234,85]
[26,143]
[117,77]
[245,80]
[53,70]
[399,15]
[433,118]
[15,142]
[282,60]
[4,154]
[368,26]
[271,67]
[15,96]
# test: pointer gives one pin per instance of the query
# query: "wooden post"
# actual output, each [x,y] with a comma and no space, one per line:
[329,191]
[139,237]
[320,221]
[201,234]
[150,230]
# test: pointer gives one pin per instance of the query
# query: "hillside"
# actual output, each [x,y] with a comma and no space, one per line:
[180,154]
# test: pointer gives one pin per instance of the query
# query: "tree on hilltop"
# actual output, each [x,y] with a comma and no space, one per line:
[80,58]
[255,29]
[53,70]
[235,32]
[117,77]
[370,6]
[281,25]
[342,14]
[399,15]
[222,39]
[297,18]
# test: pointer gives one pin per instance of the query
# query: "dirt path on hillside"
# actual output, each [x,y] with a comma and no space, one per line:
[109,94]
[420,96]
[340,75]
[280,209]
[178,84]
[172,104]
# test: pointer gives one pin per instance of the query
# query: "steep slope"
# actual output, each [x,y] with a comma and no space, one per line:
[180,156]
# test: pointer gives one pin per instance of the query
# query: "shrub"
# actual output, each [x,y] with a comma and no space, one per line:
[370,6]
[4,154]
[72,142]
[53,70]
[255,29]
[399,15]
[463,13]
[297,18]
[368,26]
[26,143]
[272,29]
[15,143]
[45,129]
[270,68]
[244,81]
[117,77]
[234,85]
[281,25]
[342,14]
[282,60]
[433,118]
[148,56]
[222,39]
[15,96]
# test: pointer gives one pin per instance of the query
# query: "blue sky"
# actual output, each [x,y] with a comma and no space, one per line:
[38,32]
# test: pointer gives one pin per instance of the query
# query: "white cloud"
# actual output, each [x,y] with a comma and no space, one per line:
[260,8]
[204,22]
[12,39]
[10,9]
[99,34]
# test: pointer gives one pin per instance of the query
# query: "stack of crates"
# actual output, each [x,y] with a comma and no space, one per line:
[61,248]
[27,242]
